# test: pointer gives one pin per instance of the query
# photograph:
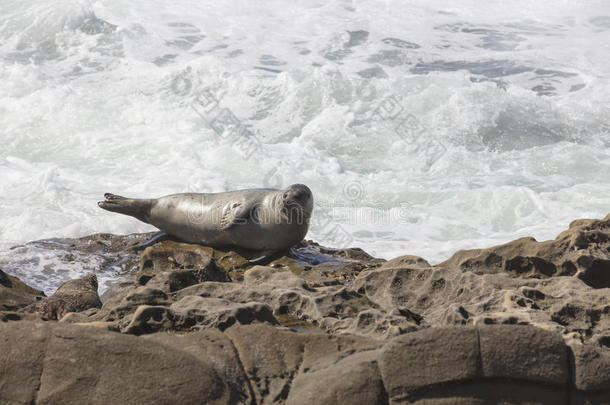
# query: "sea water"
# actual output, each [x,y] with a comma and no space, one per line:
[422,127]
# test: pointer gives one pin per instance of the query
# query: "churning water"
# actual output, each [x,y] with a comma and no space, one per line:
[422,127]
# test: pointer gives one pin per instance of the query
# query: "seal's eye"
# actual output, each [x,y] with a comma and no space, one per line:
[285,196]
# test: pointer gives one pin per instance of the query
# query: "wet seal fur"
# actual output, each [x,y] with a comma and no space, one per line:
[256,219]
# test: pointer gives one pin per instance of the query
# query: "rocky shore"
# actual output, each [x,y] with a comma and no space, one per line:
[523,322]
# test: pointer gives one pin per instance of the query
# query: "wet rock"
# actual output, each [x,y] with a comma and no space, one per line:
[308,247]
[72,296]
[110,257]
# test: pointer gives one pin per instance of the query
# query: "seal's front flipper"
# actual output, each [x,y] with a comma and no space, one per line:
[157,237]
[234,214]
[263,256]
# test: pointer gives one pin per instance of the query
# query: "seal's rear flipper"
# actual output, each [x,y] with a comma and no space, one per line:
[134,207]
[113,197]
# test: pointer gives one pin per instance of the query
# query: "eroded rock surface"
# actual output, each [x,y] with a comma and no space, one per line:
[15,294]
[582,250]
[522,322]
[259,364]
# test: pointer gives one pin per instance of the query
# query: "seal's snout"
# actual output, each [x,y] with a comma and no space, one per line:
[297,194]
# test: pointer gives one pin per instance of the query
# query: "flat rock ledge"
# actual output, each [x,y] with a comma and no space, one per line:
[523,322]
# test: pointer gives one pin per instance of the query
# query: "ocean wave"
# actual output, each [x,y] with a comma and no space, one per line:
[420,127]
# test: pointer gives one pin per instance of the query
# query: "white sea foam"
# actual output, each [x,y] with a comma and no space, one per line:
[422,127]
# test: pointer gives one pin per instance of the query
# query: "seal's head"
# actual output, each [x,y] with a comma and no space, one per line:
[297,202]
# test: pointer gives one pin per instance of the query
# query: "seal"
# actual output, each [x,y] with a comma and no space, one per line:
[257,219]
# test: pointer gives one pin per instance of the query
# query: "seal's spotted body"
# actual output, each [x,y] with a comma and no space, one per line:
[259,219]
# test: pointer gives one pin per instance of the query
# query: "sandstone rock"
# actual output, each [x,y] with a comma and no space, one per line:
[323,274]
[354,380]
[493,364]
[273,358]
[450,296]
[139,315]
[62,363]
[314,263]
[263,364]
[80,317]
[591,368]
[216,348]
[448,354]
[127,301]
[501,318]
[118,312]
[8,316]
[330,290]
[116,288]
[523,353]
[195,312]
[523,322]
[172,266]
[149,319]
[270,359]
[72,296]
[171,255]
[582,249]
[334,308]
[15,294]
[407,261]
[23,349]
[596,273]
[270,276]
